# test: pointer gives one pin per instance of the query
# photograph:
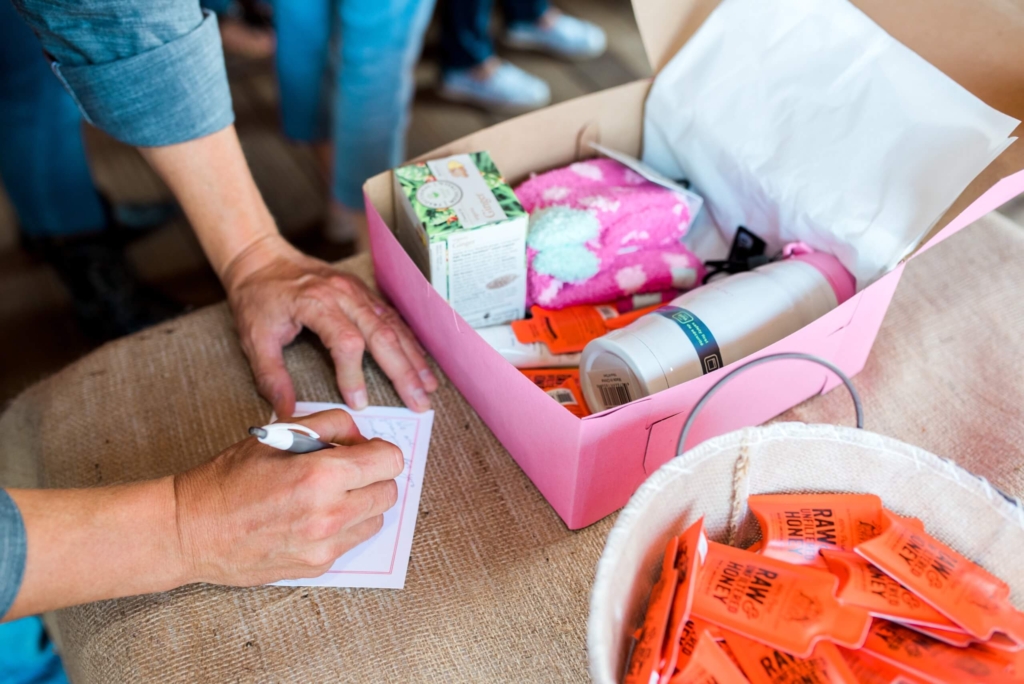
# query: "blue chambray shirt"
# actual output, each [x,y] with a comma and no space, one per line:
[13,549]
[147,72]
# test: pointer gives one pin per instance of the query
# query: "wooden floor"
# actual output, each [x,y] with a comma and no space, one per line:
[37,333]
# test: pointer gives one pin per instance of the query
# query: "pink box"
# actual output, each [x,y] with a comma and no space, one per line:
[588,468]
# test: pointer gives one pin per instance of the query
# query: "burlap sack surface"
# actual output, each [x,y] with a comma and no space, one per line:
[497,587]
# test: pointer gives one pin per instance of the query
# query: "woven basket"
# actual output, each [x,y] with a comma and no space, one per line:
[714,480]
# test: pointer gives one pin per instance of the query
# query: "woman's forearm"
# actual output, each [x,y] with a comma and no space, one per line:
[211,180]
[91,544]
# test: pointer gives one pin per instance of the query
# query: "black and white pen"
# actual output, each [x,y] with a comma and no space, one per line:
[298,439]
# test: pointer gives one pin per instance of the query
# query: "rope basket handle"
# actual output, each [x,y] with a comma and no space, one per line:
[794,356]
[798,356]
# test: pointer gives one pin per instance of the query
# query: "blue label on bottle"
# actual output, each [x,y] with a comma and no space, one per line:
[700,337]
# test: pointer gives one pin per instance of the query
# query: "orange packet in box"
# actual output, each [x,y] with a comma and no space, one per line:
[766,665]
[562,385]
[974,599]
[709,665]
[567,331]
[933,661]
[795,527]
[865,585]
[786,606]
[646,657]
[692,547]
[870,670]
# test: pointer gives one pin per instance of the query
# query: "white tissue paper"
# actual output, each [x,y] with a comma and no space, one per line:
[804,121]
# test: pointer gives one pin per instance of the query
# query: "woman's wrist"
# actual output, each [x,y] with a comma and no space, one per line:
[262,250]
[91,544]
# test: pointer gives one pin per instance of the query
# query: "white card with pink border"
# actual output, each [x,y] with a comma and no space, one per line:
[381,562]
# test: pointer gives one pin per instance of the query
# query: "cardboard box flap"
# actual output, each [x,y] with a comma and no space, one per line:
[977,43]
[997,195]
[665,25]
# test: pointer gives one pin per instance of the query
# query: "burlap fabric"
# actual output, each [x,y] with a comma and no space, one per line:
[497,587]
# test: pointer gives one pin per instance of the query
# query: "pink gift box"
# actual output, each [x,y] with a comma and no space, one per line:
[587,468]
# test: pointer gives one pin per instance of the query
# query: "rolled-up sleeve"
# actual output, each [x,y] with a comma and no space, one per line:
[13,549]
[148,73]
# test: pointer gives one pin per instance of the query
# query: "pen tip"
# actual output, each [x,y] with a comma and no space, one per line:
[257,432]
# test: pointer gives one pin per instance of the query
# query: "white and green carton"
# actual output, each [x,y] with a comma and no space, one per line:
[466,230]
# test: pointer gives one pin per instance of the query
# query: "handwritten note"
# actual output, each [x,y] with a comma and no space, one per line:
[381,562]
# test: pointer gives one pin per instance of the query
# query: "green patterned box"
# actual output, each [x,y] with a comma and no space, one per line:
[466,230]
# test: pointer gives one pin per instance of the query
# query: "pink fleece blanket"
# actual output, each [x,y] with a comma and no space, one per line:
[599,232]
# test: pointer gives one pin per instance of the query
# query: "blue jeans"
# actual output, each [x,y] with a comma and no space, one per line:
[26,654]
[42,159]
[345,69]
[466,28]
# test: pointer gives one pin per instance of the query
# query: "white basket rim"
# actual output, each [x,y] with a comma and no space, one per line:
[1011,511]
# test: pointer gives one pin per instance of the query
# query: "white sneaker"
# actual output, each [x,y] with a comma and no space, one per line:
[567,37]
[507,89]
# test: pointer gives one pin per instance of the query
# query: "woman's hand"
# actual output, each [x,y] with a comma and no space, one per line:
[275,290]
[250,516]
[255,514]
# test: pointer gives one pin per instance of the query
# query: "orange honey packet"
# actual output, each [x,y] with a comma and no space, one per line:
[562,385]
[970,596]
[796,526]
[953,637]
[933,661]
[692,547]
[870,670]
[709,665]
[785,606]
[866,585]
[646,657]
[766,665]
[567,331]
[687,642]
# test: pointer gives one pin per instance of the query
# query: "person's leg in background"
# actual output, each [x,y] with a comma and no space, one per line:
[471,73]
[305,81]
[379,43]
[536,25]
[45,172]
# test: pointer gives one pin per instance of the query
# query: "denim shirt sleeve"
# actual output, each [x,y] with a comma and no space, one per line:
[148,73]
[13,549]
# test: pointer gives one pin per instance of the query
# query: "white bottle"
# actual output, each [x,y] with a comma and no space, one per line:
[710,327]
[523,355]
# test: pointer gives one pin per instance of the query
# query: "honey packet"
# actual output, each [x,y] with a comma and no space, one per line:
[865,585]
[692,547]
[953,637]
[567,331]
[795,527]
[933,661]
[870,670]
[646,657]
[785,606]
[963,591]
[709,665]
[766,665]
[562,385]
